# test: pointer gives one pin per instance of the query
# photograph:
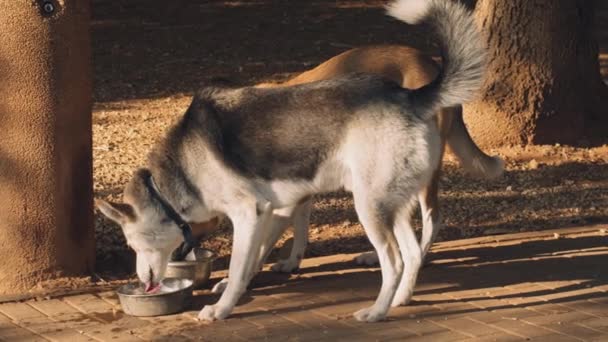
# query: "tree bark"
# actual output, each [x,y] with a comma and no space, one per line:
[46,224]
[543,84]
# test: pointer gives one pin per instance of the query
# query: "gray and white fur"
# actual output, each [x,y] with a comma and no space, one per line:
[255,155]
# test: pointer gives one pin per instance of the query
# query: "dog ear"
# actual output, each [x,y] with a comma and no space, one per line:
[117,212]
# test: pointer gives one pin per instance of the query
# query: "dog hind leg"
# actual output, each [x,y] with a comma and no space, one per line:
[431,217]
[382,238]
[410,252]
[301,221]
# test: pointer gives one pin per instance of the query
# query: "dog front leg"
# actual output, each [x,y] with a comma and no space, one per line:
[281,218]
[248,227]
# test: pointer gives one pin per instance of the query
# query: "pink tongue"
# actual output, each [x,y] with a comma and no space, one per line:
[151,288]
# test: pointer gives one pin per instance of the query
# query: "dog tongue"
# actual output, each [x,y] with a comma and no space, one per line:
[151,287]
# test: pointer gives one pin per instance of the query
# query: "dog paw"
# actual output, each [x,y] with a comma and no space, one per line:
[211,313]
[285,266]
[369,315]
[367,259]
[220,287]
[401,300]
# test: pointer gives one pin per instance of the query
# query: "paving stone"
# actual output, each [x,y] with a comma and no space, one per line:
[422,327]
[566,317]
[107,332]
[19,334]
[160,333]
[443,336]
[486,316]
[52,330]
[467,326]
[19,311]
[453,302]
[471,294]
[110,297]
[498,337]
[589,308]
[602,288]
[574,330]
[415,311]
[556,338]
[226,330]
[333,330]
[523,301]
[12,332]
[53,307]
[550,308]
[568,295]
[433,297]
[489,303]
[238,326]
[310,319]
[456,309]
[595,323]
[273,321]
[516,313]
[387,330]
[342,311]
[520,328]
[89,303]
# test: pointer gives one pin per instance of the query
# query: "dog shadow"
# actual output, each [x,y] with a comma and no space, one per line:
[466,269]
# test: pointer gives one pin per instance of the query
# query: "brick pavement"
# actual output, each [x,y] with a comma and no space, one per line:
[544,286]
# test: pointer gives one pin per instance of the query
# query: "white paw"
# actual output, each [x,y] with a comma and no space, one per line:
[211,313]
[367,259]
[220,287]
[285,266]
[401,300]
[369,315]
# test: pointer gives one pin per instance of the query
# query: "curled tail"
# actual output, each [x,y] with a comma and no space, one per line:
[461,46]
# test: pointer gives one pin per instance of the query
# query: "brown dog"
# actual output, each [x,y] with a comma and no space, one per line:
[412,69]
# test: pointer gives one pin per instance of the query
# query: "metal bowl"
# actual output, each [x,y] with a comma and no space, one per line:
[173,297]
[197,267]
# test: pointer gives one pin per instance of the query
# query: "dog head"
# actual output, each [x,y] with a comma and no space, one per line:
[147,228]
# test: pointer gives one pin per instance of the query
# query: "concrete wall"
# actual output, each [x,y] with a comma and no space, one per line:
[46,226]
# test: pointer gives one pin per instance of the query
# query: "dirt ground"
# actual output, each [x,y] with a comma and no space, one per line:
[150,55]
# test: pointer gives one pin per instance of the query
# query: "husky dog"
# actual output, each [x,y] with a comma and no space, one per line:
[254,154]
[412,69]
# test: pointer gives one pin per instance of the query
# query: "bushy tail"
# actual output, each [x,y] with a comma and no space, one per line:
[461,46]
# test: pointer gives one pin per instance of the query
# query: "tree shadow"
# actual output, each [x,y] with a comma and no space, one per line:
[155,48]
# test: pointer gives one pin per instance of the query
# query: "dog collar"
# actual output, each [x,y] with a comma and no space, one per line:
[189,242]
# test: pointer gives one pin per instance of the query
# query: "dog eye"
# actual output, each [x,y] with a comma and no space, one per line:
[165,221]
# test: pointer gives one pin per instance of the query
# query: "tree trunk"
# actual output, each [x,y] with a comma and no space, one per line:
[46,225]
[543,84]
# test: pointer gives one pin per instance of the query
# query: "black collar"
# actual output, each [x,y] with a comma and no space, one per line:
[189,241]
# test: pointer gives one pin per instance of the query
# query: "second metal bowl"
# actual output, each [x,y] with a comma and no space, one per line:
[196,267]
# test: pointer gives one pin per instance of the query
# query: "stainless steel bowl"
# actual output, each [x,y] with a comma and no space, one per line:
[197,267]
[173,297]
